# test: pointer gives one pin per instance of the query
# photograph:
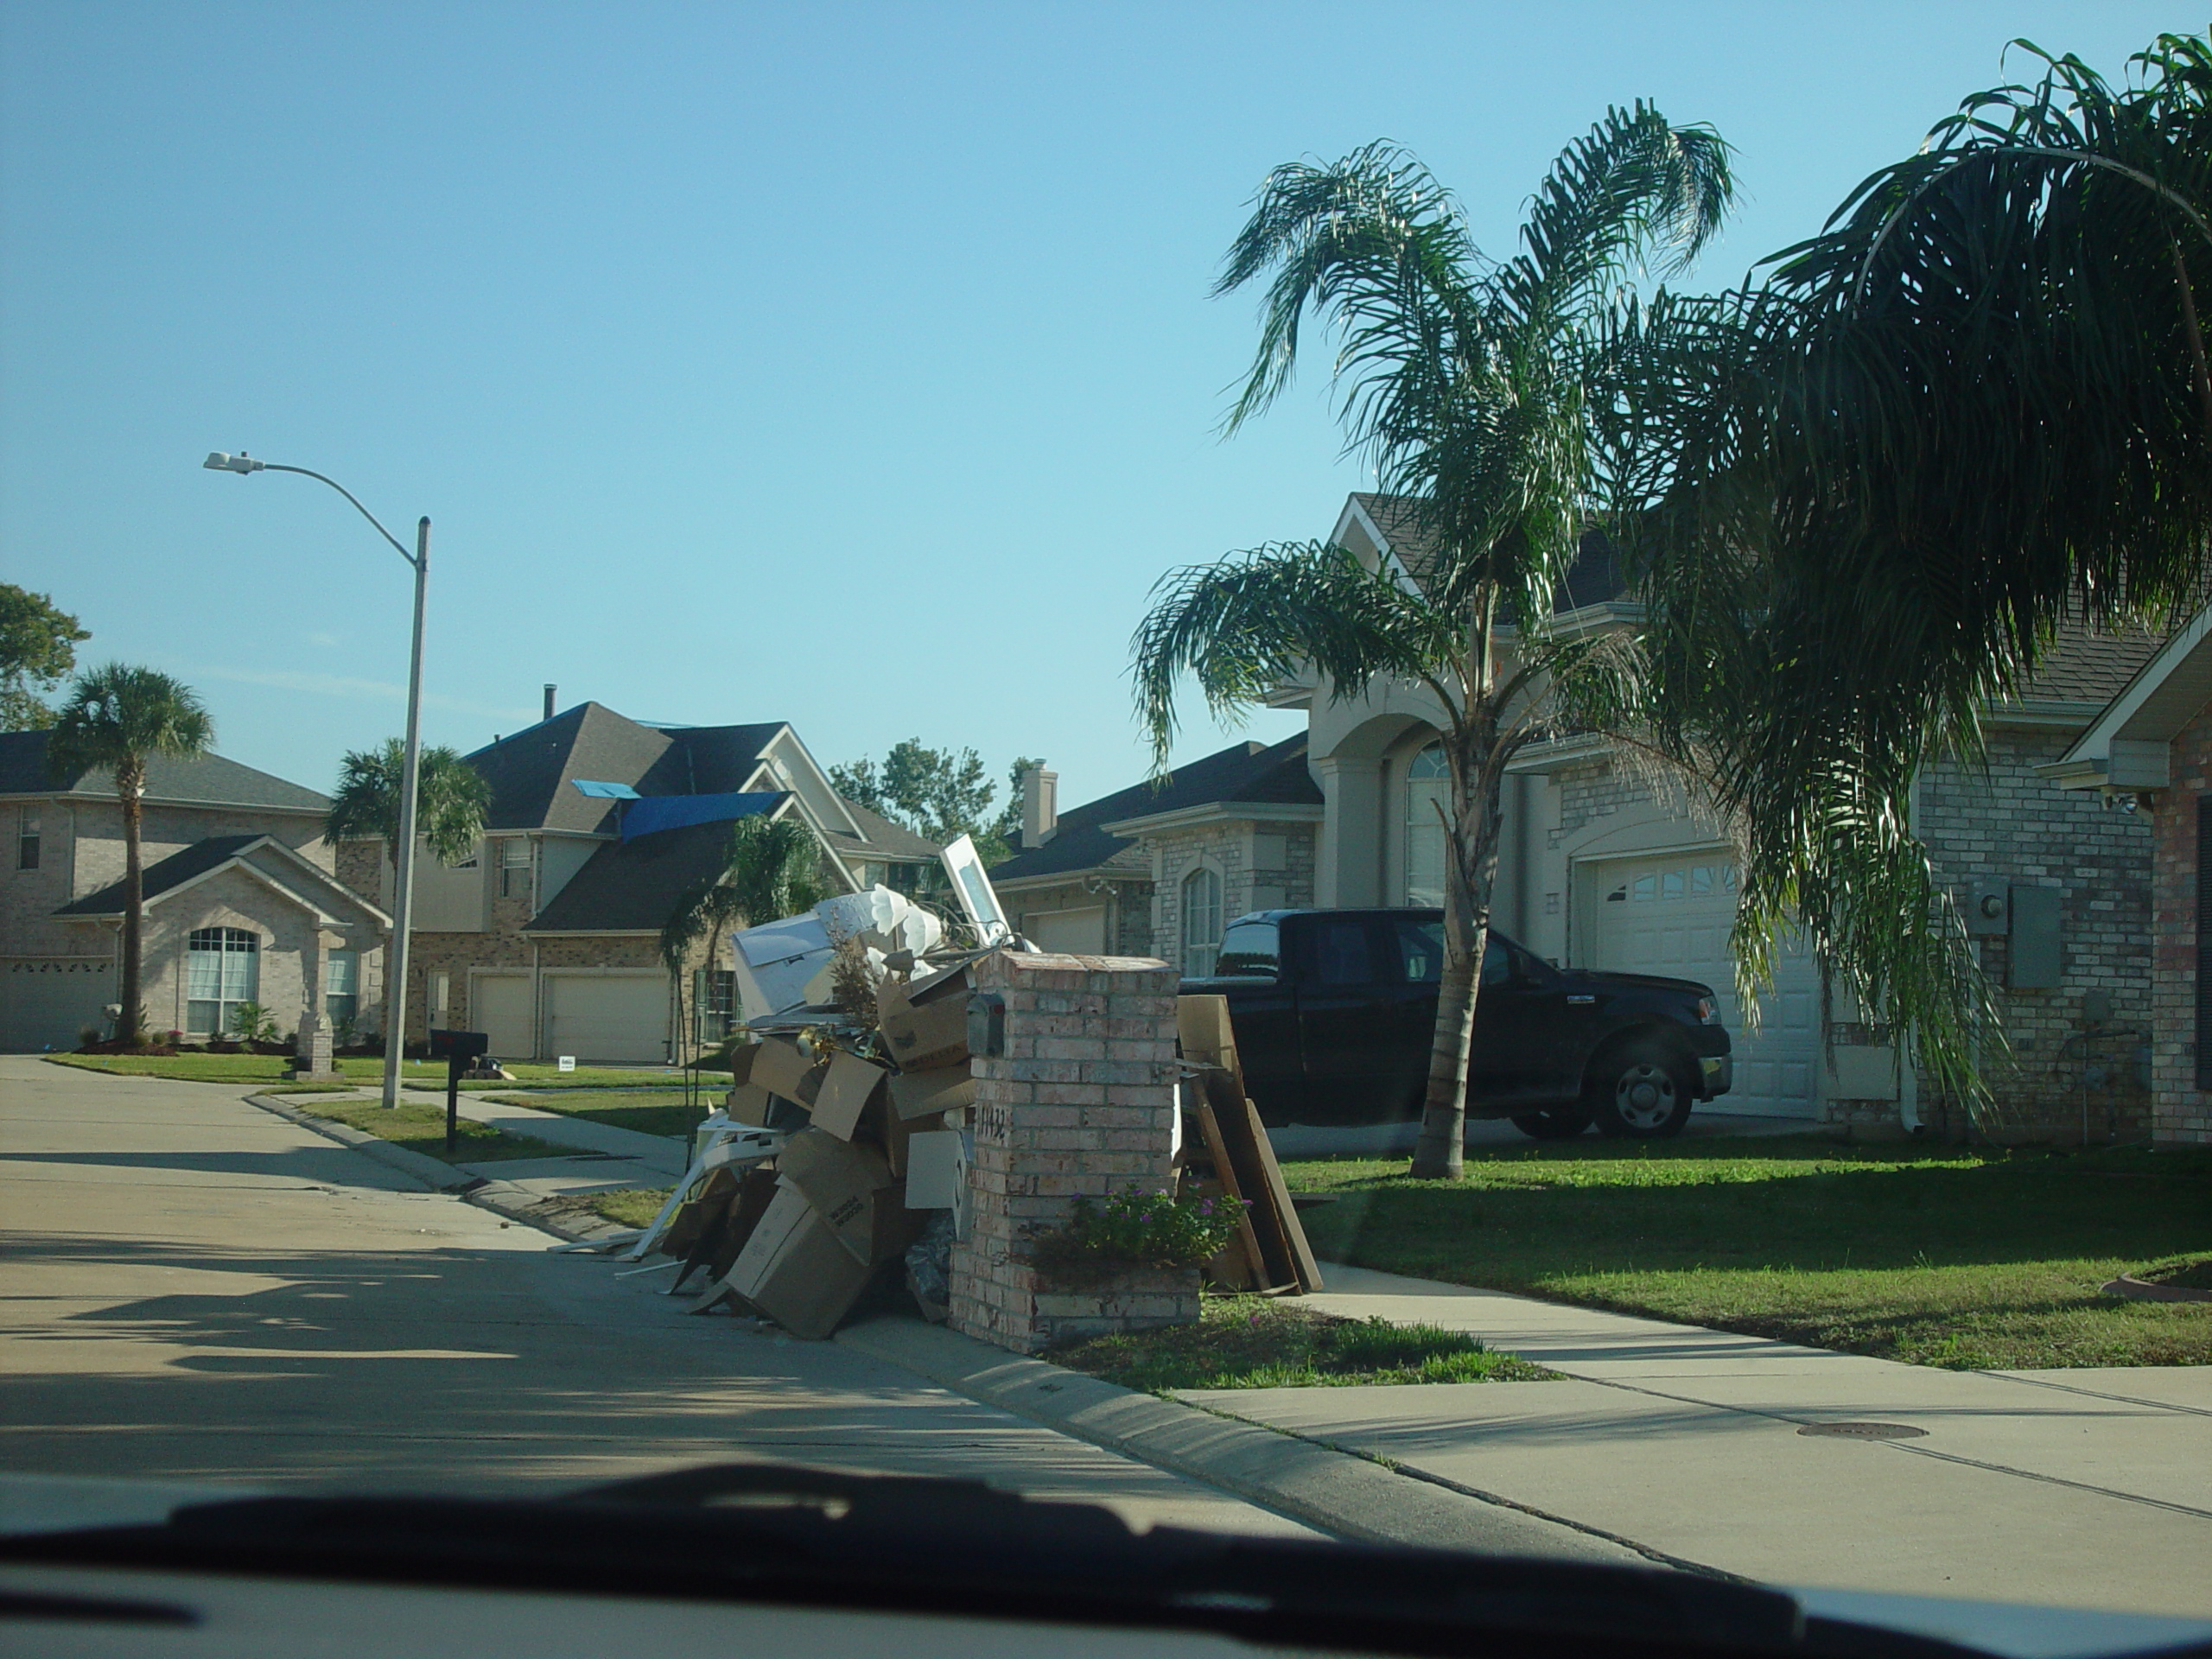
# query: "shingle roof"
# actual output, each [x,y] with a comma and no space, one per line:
[882,836]
[209,780]
[633,886]
[1244,773]
[162,875]
[2084,666]
[530,772]
[1591,579]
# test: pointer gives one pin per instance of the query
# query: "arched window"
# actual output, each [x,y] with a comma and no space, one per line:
[1428,790]
[222,968]
[1202,922]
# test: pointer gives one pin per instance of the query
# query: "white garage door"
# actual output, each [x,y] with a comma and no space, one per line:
[501,1011]
[1671,915]
[1074,932]
[619,1019]
[47,1004]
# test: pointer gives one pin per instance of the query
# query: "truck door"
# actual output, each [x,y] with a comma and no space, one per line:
[1263,1007]
[1346,1020]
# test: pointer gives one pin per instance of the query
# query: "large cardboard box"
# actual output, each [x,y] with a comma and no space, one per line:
[740,1063]
[935,1168]
[898,1132]
[782,1067]
[925,1021]
[851,1188]
[850,1087]
[794,1269]
[927,1094]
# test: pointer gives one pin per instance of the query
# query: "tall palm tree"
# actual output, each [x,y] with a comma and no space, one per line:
[1976,403]
[770,868]
[1473,385]
[451,800]
[116,720]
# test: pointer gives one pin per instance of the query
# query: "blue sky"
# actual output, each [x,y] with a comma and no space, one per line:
[849,365]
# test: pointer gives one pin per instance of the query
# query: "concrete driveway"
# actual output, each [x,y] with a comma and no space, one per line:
[196,1290]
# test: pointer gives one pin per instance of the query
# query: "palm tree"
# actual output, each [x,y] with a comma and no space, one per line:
[1976,403]
[770,868]
[116,720]
[451,800]
[1473,385]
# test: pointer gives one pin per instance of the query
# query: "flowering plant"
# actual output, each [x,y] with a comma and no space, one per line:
[1152,1229]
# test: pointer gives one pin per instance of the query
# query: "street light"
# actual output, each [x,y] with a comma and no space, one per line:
[409,775]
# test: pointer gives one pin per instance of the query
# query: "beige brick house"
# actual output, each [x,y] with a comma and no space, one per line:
[548,938]
[241,902]
[1600,870]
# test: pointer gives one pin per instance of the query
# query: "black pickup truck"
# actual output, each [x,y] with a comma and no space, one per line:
[1334,1011]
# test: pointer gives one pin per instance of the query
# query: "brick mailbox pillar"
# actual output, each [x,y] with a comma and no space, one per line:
[1080,1103]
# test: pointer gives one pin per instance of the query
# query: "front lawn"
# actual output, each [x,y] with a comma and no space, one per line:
[631,1207]
[1967,1258]
[420,1126]
[1258,1342]
[649,1111]
[417,1074]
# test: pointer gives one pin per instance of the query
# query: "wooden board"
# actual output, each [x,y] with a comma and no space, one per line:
[1246,1241]
[1307,1270]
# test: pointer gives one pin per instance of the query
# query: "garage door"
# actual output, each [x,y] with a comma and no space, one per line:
[1671,915]
[46,1004]
[1076,932]
[613,1019]
[501,1011]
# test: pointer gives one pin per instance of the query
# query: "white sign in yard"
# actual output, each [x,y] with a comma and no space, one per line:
[568,1062]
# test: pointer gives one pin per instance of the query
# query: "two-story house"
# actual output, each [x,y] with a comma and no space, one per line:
[548,940]
[241,903]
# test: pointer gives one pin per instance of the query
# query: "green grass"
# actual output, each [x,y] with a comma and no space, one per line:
[270,1068]
[649,1111]
[1967,1258]
[634,1206]
[1257,1342]
[2181,1275]
[420,1127]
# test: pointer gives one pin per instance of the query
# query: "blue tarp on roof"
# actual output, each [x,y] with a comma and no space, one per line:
[652,813]
[599,791]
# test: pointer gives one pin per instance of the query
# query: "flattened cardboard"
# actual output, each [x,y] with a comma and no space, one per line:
[852,1086]
[925,1023]
[934,1166]
[898,1133]
[782,1067]
[925,1094]
[794,1269]
[740,1063]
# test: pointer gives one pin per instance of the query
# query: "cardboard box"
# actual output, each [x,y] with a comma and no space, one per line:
[935,1168]
[850,1187]
[782,1067]
[794,1269]
[749,1103]
[925,1021]
[898,1132]
[927,1094]
[849,1088]
[740,1063]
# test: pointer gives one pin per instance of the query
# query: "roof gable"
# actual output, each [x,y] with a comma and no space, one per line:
[205,781]
[298,879]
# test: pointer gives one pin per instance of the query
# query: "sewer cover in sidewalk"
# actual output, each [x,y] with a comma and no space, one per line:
[1863,1431]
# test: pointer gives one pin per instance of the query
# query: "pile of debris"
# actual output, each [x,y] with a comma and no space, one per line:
[844,1146]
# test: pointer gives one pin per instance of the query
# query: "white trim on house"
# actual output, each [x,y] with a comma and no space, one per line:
[2126,746]
[1215,812]
[239,859]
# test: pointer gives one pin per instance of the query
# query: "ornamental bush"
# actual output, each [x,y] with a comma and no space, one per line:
[1152,1229]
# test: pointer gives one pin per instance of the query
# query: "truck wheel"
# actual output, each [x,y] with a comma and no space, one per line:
[1637,1093]
[1553,1123]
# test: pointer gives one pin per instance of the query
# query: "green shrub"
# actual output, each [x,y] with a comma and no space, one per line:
[1141,1230]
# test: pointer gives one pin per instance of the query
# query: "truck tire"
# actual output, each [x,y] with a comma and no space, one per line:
[1553,1123]
[1638,1092]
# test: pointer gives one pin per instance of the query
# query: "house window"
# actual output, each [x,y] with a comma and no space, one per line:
[1202,922]
[342,990]
[1429,793]
[27,839]
[514,867]
[714,996]
[222,968]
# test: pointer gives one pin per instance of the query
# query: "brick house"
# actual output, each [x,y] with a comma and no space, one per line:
[548,938]
[1602,867]
[2146,760]
[241,901]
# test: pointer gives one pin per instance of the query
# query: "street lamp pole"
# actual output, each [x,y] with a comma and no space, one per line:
[395,1037]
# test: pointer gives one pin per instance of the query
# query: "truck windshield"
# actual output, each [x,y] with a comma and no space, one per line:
[1248,948]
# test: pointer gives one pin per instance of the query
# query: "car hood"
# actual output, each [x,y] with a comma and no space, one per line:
[1639,982]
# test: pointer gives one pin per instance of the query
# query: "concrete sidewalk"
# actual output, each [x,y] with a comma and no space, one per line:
[2083,1488]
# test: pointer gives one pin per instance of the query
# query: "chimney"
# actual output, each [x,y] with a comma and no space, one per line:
[550,690]
[1040,805]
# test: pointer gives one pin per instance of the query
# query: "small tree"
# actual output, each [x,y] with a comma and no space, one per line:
[116,720]
[940,794]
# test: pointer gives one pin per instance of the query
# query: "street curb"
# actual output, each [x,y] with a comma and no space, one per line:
[1340,1493]
[431,1174]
